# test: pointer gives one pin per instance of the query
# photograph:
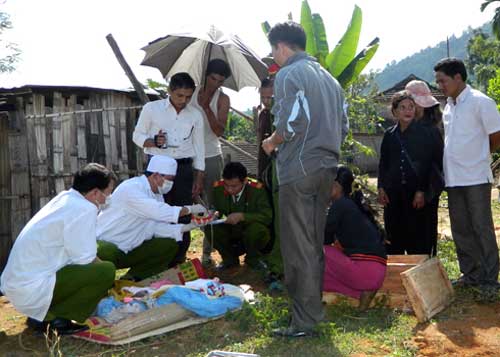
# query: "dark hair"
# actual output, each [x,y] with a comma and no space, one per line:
[398,97]
[219,67]
[345,178]
[290,33]
[181,80]
[451,66]
[234,170]
[267,83]
[433,115]
[92,176]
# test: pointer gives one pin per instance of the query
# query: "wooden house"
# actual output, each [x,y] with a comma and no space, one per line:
[47,133]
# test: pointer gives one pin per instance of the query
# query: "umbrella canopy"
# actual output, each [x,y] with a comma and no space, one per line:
[191,53]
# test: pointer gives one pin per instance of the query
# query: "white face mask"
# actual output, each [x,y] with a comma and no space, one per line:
[102,206]
[166,187]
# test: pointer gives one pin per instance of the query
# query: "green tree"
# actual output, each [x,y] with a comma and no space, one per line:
[342,62]
[12,52]
[495,22]
[362,108]
[483,58]
[239,129]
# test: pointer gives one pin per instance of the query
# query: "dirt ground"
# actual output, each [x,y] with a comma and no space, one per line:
[466,328]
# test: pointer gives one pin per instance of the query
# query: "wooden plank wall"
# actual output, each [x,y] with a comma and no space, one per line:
[44,153]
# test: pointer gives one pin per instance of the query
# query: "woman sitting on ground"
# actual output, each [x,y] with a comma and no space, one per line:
[355,264]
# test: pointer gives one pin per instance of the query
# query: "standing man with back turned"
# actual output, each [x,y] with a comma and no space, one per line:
[310,126]
[472,129]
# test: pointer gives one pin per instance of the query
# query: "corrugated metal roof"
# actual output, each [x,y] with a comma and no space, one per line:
[233,155]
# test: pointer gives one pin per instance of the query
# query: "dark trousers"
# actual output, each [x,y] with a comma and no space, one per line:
[234,240]
[473,232]
[303,207]
[182,195]
[431,234]
[151,257]
[406,227]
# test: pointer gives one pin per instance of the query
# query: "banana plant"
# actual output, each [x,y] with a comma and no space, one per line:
[342,62]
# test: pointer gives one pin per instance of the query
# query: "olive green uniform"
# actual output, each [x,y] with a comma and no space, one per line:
[249,236]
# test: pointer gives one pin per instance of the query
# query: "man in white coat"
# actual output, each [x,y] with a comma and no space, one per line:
[139,230]
[52,273]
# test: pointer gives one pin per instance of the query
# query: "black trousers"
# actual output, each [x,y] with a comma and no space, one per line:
[407,228]
[181,195]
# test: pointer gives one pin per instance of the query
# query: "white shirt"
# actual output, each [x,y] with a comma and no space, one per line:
[212,143]
[184,131]
[136,214]
[467,126]
[61,233]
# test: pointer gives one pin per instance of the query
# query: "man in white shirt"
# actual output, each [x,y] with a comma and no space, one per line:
[170,127]
[472,129]
[214,105]
[138,230]
[53,274]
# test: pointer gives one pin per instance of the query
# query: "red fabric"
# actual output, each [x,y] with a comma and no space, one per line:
[349,276]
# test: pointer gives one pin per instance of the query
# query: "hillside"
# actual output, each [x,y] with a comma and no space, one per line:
[421,63]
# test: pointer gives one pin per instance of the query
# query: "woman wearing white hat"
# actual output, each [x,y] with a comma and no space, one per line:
[428,112]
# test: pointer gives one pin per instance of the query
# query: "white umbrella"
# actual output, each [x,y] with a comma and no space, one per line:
[189,52]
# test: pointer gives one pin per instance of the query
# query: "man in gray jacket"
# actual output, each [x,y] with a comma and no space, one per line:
[310,125]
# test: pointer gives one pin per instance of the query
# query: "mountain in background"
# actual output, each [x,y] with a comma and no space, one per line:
[421,64]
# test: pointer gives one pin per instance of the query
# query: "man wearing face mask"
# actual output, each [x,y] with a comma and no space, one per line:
[53,275]
[138,229]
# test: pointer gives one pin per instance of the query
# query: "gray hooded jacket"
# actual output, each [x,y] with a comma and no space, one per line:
[310,115]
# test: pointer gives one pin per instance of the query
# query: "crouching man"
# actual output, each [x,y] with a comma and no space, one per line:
[138,230]
[53,275]
[246,205]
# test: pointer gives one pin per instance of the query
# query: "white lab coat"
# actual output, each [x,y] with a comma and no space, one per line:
[60,234]
[136,214]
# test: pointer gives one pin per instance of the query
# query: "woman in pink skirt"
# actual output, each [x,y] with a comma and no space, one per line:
[355,256]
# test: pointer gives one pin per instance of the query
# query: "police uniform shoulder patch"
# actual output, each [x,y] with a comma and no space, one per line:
[254,183]
[218,183]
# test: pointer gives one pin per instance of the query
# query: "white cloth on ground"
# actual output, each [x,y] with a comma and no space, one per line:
[63,232]
[136,214]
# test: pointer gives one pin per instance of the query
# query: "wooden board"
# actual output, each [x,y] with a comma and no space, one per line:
[392,293]
[429,288]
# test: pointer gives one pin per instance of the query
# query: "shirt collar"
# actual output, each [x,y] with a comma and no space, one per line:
[297,57]
[237,197]
[169,105]
[461,97]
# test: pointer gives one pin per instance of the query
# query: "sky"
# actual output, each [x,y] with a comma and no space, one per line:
[63,41]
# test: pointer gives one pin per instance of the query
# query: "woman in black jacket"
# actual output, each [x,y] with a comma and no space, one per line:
[355,264]
[407,155]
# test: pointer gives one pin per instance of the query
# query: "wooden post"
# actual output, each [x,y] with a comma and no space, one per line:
[137,85]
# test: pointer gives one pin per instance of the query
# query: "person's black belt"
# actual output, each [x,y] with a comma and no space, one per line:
[185,161]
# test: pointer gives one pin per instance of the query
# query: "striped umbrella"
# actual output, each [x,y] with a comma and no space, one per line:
[191,53]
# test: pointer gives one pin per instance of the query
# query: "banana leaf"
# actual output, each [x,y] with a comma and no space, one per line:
[265,27]
[306,21]
[320,38]
[344,52]
[358,63]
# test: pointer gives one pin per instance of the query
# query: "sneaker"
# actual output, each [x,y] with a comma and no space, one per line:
[66,327]
[292,332]
[35,325]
